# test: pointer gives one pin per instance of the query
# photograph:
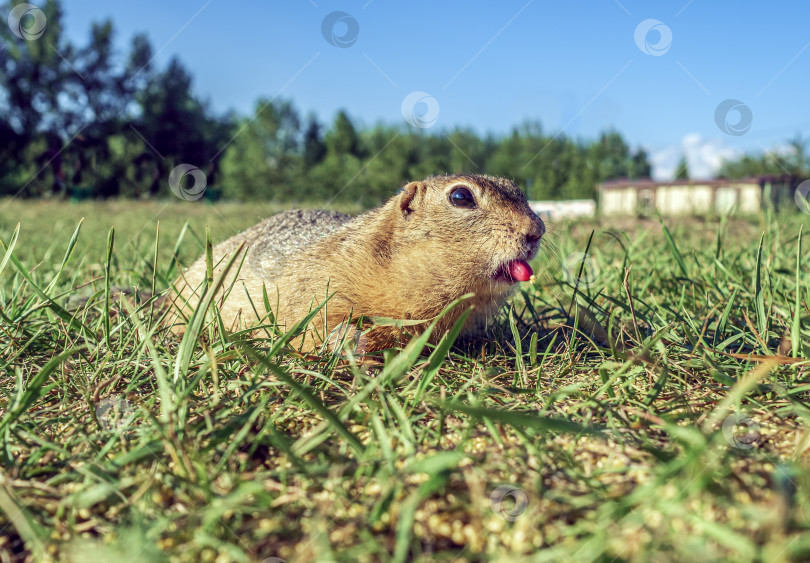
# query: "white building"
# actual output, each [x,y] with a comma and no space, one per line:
[694,197]
[555,210]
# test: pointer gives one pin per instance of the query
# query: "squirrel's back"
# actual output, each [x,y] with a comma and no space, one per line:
[269,245]
[271,242]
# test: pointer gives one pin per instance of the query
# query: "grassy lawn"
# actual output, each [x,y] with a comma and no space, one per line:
[647,401]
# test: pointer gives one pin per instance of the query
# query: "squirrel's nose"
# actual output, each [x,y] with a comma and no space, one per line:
[536,230]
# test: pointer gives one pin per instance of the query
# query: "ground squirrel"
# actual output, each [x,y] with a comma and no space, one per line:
[434,241]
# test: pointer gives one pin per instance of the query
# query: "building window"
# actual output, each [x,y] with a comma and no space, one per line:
[646,202]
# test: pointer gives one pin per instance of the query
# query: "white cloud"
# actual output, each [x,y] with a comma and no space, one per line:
[664,162]
[703,157]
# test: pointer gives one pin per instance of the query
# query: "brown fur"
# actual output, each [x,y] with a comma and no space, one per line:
[405,260]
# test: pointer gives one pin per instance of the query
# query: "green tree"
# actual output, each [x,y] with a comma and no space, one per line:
[314,148]
[32,77]
[63,105]
[342,139]
[340,175]
[179,126]
[639,165]
[682,170]
[397,152]
[83,118]
[264,160]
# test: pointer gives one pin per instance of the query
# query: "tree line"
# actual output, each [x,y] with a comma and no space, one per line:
[86,121]
[793,159]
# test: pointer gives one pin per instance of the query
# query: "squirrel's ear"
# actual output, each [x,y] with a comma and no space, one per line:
[410,196]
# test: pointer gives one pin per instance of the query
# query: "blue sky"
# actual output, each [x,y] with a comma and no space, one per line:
[574,66]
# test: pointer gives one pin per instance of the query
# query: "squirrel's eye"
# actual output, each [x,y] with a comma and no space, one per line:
[462,197]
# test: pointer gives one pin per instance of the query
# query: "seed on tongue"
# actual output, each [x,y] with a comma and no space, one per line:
[520,270]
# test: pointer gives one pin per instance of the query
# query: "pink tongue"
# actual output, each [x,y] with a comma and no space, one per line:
[520,270]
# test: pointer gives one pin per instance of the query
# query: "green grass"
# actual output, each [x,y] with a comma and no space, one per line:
[647,402]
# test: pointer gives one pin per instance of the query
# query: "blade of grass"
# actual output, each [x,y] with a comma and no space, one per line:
[189,342]
[439,467]
[108,285]
[72,321]
[737,393]
[795,332]
[10,247]
[166,392]
[723,322]
[176,252]
[34,390]
[32,533]
[394,369]
[403,361]
[523,419]
[759,298]
[439,354]
[155,260]
[310,398]
[71,245]
[533,349]
[520,369]
[672,246]
[579,274]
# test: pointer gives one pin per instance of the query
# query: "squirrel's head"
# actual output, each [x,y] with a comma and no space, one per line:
[479,226]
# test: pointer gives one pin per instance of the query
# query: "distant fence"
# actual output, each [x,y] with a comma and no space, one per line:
[554,210]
